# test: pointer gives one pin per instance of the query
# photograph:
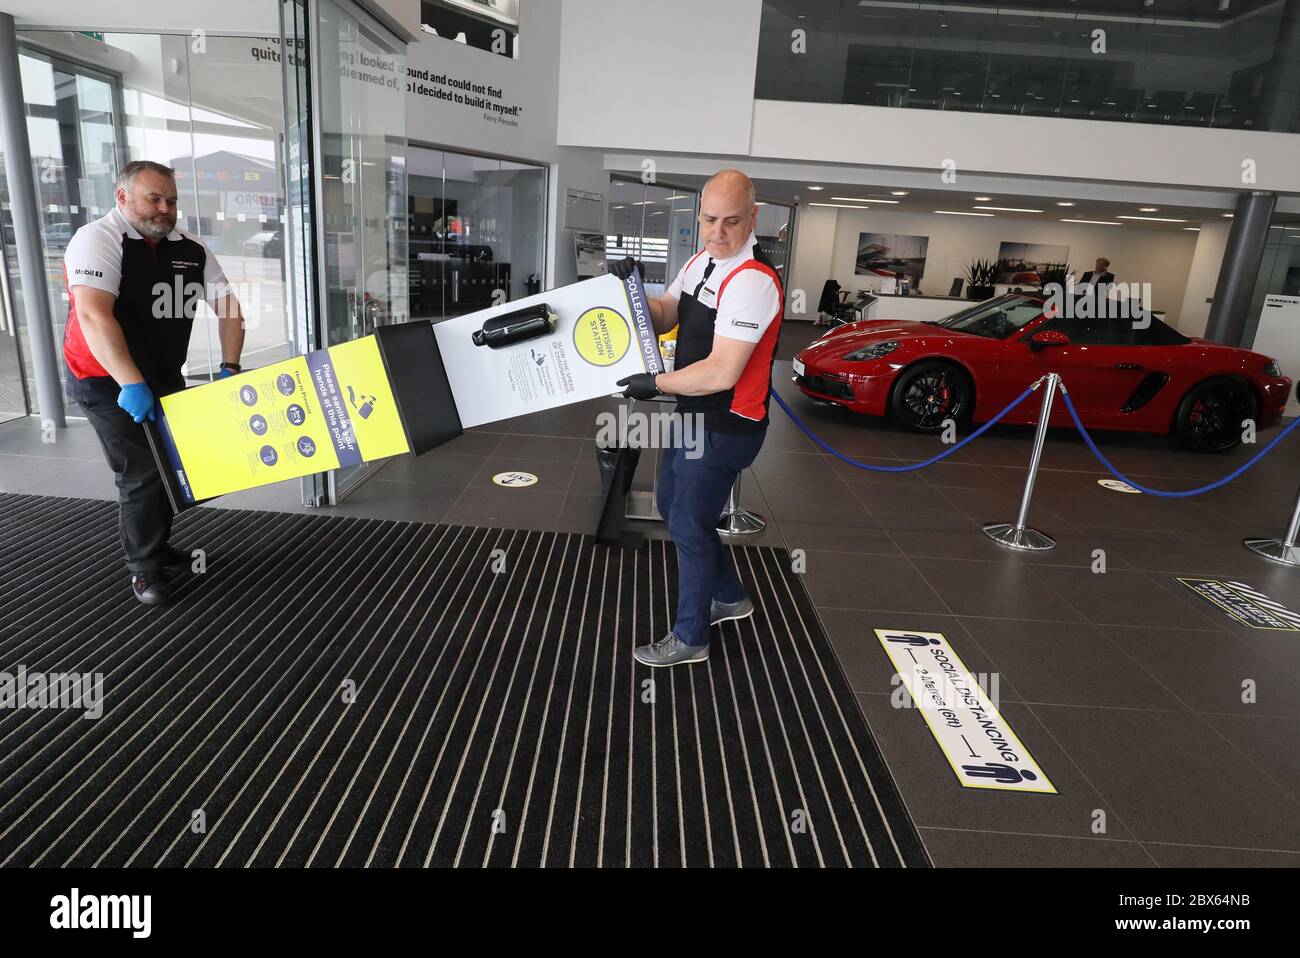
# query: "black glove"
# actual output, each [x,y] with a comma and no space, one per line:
[640,386]
[623,268]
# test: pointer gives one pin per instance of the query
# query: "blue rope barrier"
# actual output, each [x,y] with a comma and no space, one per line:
[1092,446]
[909,468]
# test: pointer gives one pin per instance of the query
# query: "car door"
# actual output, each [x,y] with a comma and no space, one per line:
[1101,366]
[985,354]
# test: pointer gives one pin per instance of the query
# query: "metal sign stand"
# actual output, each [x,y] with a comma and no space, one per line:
[1284,551]
[1020,536]
[737,521]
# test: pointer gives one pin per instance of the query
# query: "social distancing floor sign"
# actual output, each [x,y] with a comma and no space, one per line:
[971,732]
[1247,605]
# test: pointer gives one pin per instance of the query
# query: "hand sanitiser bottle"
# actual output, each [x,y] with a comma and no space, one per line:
[515,327]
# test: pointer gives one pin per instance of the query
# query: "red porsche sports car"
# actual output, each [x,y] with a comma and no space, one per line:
[1142,376]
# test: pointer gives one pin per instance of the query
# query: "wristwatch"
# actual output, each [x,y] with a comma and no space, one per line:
[233,367]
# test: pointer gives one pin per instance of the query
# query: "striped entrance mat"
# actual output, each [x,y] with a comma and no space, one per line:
[354,692]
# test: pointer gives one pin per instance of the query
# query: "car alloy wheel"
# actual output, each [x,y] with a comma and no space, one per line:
[928,394]
[1210,417]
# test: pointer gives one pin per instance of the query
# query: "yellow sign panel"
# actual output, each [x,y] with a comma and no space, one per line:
[330,408]
[602,336]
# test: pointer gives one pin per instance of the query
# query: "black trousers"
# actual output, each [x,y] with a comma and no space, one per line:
[144,512]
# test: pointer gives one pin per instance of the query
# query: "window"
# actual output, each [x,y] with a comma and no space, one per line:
[1194,63]
[655,225]
[477,231]
[96,102]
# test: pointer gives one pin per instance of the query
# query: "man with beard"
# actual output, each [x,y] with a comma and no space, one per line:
[134,284]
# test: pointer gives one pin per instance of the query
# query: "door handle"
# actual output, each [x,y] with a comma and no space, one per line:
[1128,365]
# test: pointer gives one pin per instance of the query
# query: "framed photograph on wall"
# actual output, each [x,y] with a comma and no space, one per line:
[1020,263]
[888,254]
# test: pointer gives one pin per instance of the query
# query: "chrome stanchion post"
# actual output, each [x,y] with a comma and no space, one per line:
[1284,551]
[736,521]
[1019,535]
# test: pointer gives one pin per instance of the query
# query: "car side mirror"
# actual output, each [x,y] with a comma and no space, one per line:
[1047,337]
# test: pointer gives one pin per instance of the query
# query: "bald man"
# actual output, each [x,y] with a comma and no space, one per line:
[726,302]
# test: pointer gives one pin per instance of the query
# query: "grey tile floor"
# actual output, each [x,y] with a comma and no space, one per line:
[1125,687]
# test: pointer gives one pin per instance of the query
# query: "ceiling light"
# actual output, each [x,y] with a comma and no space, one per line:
[1227,216]
[1192,229]
[1149,209]
[983,199]
[898,192]
[1094,222]
[1064,203]
[816,188]
[1007,209]
[859,199]
[843,206]
[960,213]
[1151,219]
[620,207]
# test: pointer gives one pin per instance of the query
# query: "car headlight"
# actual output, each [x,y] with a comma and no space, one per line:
[1270,368]
[874,351]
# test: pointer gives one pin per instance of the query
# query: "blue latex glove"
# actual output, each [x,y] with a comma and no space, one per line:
[225,373]
[137,400]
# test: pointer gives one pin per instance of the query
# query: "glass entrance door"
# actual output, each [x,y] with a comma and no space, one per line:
[362,120]
[347,139]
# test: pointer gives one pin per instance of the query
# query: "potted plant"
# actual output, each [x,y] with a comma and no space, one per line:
[980,275]
[1059,273]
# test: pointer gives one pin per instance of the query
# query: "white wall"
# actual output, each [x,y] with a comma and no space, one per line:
[1023,145]
[1161,258]
[629,70]
[814,249]
[400,16]
[528,83]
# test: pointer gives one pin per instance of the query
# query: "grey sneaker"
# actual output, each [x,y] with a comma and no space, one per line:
[726,611]
[669,651]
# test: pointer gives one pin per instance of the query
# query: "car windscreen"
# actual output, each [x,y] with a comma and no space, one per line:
[998,318]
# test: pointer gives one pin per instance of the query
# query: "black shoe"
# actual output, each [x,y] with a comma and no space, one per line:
[174,562]
[151,588]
